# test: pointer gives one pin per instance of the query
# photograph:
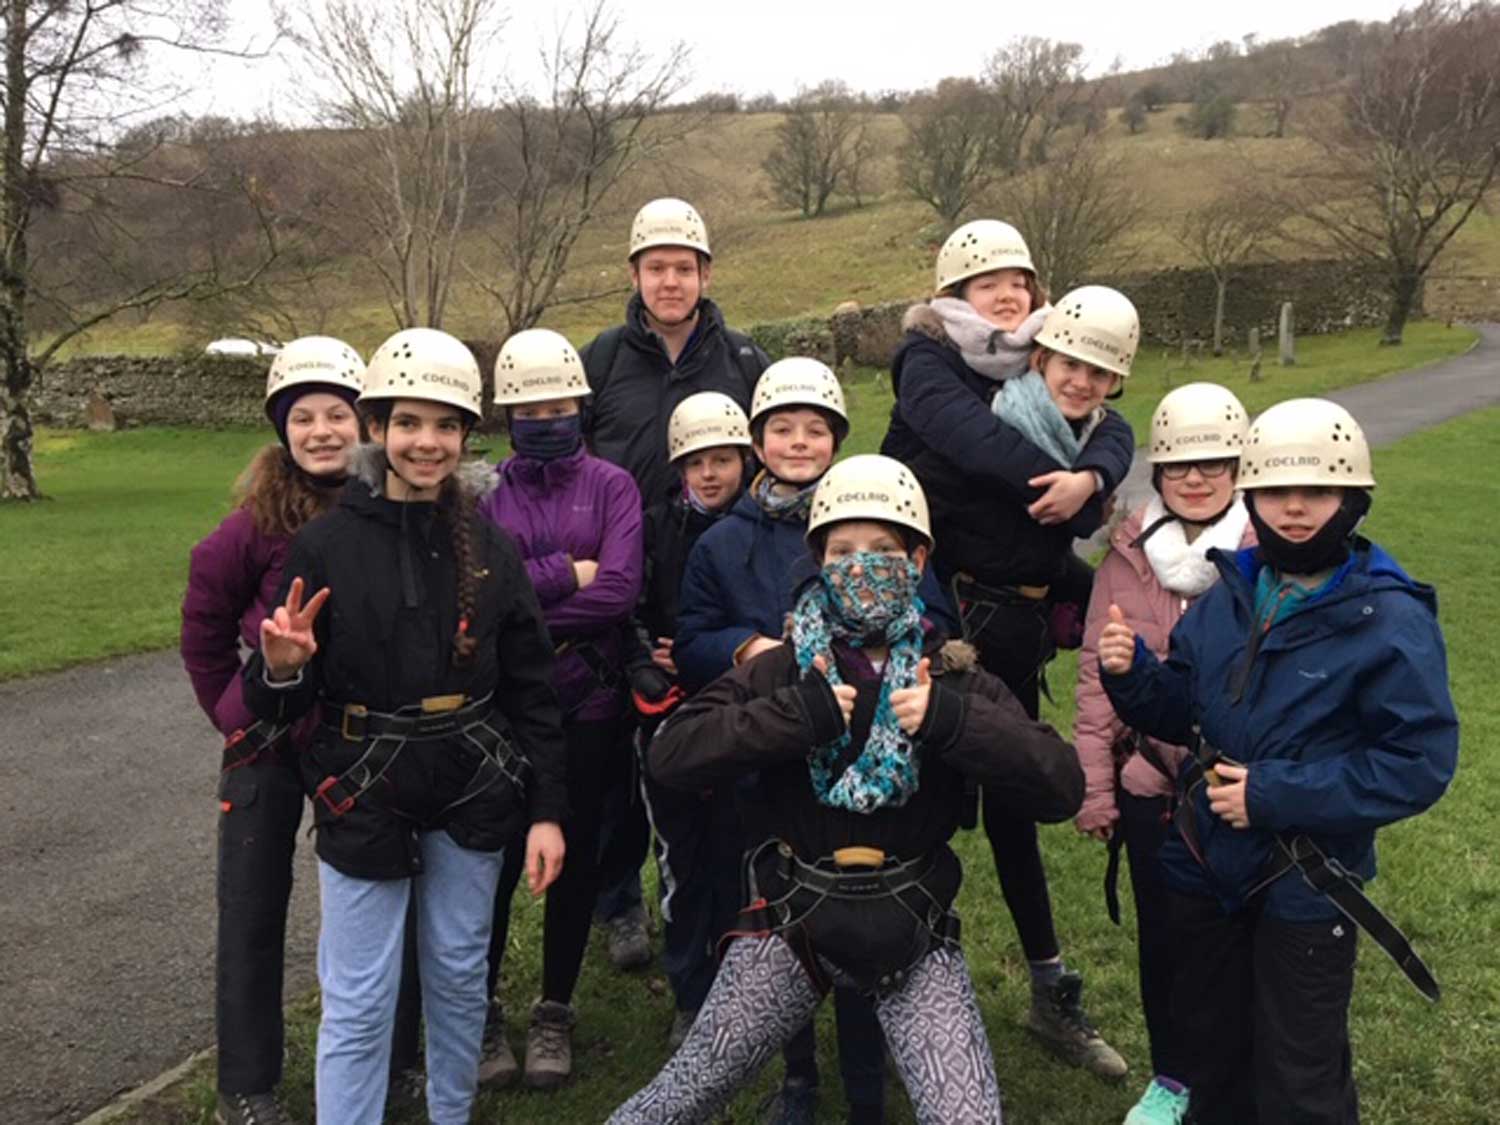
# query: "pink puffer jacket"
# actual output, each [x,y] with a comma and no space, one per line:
[1125,579]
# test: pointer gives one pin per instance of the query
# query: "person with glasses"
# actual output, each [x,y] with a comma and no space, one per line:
[1156,567]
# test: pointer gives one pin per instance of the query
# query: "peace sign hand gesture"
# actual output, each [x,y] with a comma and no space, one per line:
[286,637]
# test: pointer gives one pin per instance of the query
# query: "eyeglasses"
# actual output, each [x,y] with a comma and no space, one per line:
[1177,470]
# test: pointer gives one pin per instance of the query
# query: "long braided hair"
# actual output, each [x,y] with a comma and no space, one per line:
[457,508]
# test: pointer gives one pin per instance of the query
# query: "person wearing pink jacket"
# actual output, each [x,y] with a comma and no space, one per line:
[1156,567]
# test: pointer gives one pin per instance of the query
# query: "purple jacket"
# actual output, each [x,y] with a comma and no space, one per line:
[233,576]
[577,507]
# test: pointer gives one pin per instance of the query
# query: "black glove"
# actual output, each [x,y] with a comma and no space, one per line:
[650,683]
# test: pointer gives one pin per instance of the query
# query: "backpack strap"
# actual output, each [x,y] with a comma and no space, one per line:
[746,357]
[599,360]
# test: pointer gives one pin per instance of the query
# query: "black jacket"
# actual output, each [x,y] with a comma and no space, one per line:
[384,641]
[670,528]
[626,420]
[974,467]
[762,718]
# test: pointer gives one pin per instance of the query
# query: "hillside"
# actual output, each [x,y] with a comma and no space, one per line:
[772,264]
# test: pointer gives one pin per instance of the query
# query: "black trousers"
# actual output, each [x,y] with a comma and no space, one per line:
[1013,643]
[260,810]
[599,760]
[1262,1007]
[1144,825]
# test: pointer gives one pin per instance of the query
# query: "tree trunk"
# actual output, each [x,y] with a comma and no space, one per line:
[17,478]
[1403,299]
[1220,285]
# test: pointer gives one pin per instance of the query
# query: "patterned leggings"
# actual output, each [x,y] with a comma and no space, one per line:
[762,997]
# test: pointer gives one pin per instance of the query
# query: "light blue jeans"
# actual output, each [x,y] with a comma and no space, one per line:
[359,971]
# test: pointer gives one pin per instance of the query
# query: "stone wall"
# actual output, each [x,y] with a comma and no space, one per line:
[1174,304]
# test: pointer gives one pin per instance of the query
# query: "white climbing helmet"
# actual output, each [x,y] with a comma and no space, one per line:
[800,381]
[1307,442]
[1197,422]
[425,364]
[983,246]
[704,420]
[870,487]
[538,364]
[1096,324]
[668,222]
[314,360]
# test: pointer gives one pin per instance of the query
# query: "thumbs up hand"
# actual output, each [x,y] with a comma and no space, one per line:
[844,693]
[910,704]
[1117,644]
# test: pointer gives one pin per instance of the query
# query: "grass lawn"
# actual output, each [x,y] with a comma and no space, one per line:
[98,569]
[1416,1062]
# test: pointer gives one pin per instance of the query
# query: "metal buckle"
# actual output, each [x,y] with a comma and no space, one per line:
[338,808]
[353,711]
[442,704]
[858,855]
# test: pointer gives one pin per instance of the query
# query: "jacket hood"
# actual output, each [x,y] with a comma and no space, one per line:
[924,320]
[476,478]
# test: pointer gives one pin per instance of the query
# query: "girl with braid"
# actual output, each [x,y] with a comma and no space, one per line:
[851,743]
[438,733]
[576,520]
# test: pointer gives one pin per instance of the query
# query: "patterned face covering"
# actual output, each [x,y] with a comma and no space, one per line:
[878,606]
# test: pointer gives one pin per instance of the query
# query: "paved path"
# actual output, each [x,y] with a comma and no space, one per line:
[107,819]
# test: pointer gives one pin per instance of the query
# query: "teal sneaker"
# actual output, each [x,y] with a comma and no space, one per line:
[1159,1105]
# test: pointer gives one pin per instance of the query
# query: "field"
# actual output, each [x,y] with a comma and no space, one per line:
[772,264]
[1416,1062]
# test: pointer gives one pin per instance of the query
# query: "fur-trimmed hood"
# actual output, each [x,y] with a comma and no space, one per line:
[476,477]
[923,319]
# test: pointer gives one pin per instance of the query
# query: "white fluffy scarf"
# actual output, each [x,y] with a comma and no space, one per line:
[1180,566]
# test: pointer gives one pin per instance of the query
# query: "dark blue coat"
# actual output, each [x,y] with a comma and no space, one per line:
[973,467]
[742,578]
[1345,720]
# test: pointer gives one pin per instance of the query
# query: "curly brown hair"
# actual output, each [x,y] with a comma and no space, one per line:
[281,498]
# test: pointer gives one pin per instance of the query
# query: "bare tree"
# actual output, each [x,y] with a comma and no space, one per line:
[77,76]
[402,78]
[1222,236]
[819,148]
[558,159]
[1074,212]
[1135,113]
[1413,151]
[1037,81]
[956,145]
[1283,77]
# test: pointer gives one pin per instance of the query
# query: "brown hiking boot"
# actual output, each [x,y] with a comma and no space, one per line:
[1057,1018]
[549,1045]
[497,1062]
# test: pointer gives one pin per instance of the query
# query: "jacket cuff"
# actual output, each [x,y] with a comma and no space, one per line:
[944,721]
[548,803]
[820,708]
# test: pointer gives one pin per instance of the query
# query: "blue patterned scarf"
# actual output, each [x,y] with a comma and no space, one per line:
[885,773]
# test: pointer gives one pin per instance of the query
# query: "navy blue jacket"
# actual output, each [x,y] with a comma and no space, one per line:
[973,468]
[742,578]
[1345,720]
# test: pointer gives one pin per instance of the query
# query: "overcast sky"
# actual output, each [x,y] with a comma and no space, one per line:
[777,45]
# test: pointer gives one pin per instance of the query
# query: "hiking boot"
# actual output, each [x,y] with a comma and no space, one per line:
[549,1045]
[497,1062]
[1057,1018]
[250,1109]
[1159,1105]
[794,1104]
[629,941]
[682,1023]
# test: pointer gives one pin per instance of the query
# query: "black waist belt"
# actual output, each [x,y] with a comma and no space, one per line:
[1322,872]
[852,879]
[386,735]
[247,744]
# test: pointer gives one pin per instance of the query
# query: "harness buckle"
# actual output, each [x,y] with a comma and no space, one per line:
[858,855]
[353,711]
[337,808]
[442,704]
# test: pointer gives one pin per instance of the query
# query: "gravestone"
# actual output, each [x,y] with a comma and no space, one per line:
[1288,345]
[98,415]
